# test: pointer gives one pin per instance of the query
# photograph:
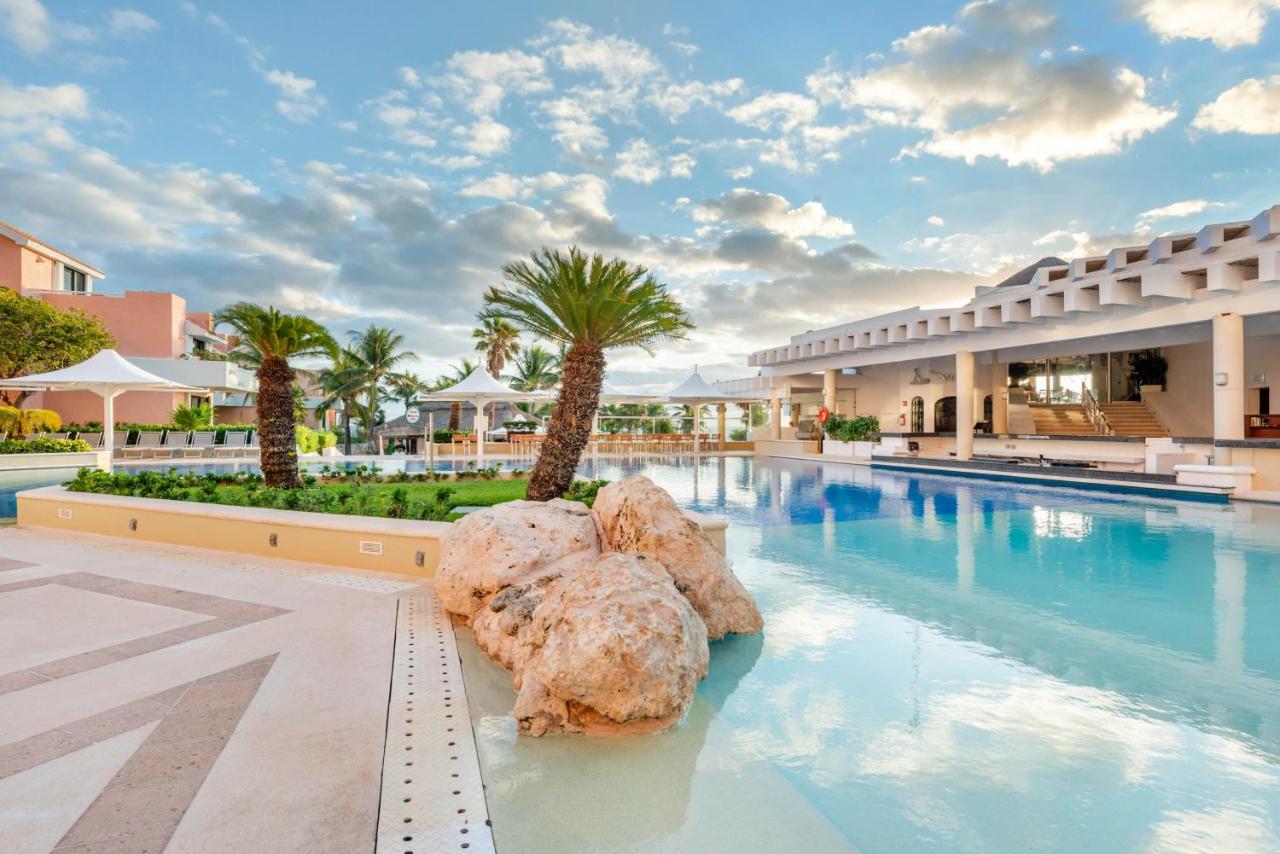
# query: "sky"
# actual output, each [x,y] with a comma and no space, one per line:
[780,166]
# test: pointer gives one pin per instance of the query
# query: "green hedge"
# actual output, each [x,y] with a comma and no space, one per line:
[860,428]
[44,446]
[312,441]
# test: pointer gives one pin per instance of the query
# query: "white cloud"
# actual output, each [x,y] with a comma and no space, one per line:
[483,79]
[130,22]
[299,100]
[26,24]
[972,89]
[784,110]
[1251,106]
[34,110]
[620,62]
[673,100]
[642,163]
[409,77]
[919,179]
[753,209]
[485,137]
[1227,23]
[1177,210]
[936,220]
[740,172]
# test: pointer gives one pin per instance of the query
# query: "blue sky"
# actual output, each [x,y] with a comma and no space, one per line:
[782,167]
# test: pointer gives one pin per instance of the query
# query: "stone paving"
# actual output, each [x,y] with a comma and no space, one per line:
[163,699]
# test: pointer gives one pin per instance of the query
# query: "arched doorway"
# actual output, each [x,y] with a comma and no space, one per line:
[917,414]
[986,414]
[944,415]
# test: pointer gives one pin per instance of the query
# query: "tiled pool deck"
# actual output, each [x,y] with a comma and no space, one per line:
[157,698]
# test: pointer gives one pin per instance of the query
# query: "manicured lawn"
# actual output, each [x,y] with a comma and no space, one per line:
[461,493]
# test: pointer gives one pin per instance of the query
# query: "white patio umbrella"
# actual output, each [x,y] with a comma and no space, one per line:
[479,389]
[697,392]
[109,375]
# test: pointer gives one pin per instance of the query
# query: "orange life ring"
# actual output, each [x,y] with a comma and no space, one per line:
[824,415]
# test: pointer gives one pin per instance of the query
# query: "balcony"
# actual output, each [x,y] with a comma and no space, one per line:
[215,376]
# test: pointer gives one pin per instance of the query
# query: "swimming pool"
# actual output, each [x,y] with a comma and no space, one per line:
[947,664]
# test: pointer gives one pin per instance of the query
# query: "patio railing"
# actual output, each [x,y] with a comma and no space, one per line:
[1094,413]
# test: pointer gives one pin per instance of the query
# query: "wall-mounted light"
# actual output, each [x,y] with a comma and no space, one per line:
[1220,378]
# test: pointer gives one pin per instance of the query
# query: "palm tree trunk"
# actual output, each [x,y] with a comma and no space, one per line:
[346,427]
[570,423]
[276,432]
[455,416]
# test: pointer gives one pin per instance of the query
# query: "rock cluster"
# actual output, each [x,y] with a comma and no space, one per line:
[602,615]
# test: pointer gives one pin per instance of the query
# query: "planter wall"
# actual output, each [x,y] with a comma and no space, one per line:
[402,546]
[18,462]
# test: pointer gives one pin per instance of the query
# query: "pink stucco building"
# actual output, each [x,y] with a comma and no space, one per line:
[153,329]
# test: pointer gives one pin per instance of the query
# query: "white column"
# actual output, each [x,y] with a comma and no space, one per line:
[697,421]
[829,389]
[775,415]
[722,414]
[999,398]
[964,405]
[108,426]
[1228,381]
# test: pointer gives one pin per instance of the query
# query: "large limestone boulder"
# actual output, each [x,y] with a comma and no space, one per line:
[613,648]
[635,515]
[510,545]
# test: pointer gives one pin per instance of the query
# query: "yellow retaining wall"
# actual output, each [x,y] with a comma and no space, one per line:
[321,538]
[407,547]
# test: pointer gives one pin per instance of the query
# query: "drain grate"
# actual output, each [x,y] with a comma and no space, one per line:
[432,795]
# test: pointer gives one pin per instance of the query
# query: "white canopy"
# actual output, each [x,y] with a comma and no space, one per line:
[697,390]
[609,394]
[479,388]
[107,374]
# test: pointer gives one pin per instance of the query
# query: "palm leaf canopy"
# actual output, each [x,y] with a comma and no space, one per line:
[268,332]
[574,298]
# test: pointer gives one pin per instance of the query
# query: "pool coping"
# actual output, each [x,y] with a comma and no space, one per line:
[1096,479]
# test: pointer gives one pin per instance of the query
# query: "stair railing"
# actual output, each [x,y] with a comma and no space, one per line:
[1094,414]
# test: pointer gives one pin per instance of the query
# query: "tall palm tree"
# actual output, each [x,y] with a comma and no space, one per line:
[461,371]
[499,340]
[378,356]
[340,383]
[591,305]
[536,369]
[276,338]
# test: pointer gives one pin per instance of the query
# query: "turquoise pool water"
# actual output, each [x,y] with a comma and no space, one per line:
[947,665]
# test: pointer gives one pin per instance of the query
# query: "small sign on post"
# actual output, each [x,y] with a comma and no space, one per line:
[413,415]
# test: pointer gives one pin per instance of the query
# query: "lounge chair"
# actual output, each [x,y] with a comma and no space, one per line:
[94,439]
[252,446]
[175,443]
[202,443]
[34,436]
[233,443]
[63,435]
[148,441]
[4,437]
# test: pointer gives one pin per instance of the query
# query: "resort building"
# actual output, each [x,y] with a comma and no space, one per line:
[1142,359]
[153,329]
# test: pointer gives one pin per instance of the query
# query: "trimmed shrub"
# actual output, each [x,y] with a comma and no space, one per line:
[44,446]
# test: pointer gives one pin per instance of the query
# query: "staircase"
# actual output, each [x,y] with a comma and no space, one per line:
[1132,418]
[1061,419]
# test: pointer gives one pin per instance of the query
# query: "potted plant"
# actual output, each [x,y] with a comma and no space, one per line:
[851,437]
[1147,372]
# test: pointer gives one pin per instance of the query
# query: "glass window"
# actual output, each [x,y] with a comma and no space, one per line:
[74,280]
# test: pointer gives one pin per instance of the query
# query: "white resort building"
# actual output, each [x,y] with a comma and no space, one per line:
[1154,360]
